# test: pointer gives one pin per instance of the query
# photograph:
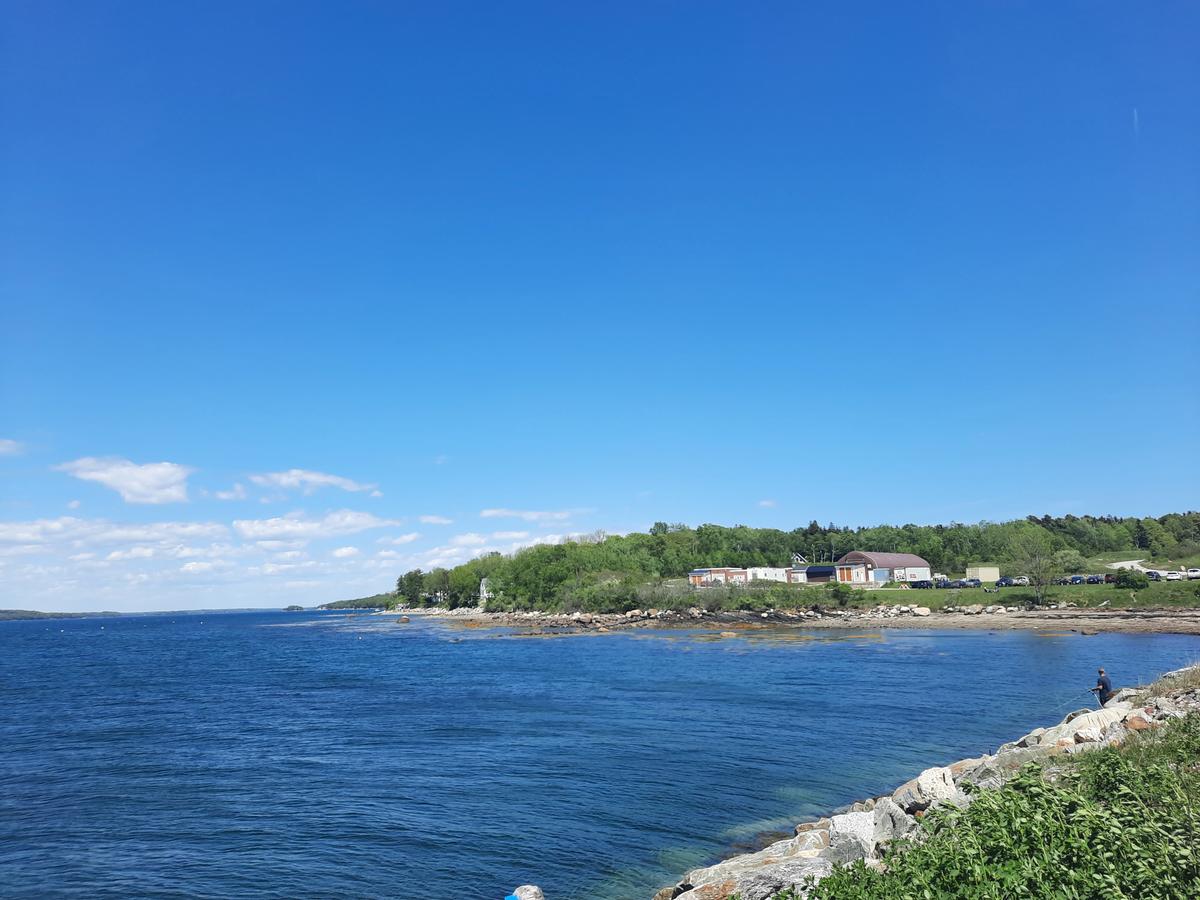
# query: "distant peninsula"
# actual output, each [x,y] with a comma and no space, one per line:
[6,614]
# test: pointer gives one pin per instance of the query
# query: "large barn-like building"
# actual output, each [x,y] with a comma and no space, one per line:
[862,567]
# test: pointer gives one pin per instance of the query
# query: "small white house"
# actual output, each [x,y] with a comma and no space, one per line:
[983,573]
[767,573]
[797,575]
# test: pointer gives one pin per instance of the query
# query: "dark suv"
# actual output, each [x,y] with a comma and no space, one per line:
[1006,582]
[923,585]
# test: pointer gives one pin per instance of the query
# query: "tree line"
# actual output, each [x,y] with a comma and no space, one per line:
[599,571]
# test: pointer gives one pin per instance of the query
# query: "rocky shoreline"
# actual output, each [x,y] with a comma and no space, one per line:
[992,617]
[864,830]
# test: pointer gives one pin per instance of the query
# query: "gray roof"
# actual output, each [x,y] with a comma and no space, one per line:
[884,560]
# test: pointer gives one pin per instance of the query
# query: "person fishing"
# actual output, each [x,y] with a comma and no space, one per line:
[1103,689]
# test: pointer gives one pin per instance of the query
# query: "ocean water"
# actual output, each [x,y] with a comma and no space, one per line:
[319,755]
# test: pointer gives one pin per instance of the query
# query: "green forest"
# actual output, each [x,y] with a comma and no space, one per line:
[599,572]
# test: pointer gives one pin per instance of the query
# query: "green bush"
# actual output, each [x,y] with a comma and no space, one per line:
[1132,579]
[1119,823]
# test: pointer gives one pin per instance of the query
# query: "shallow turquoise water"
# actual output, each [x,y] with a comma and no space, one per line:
[303,755]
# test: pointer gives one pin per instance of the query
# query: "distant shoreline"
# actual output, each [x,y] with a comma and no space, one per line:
[1166,620]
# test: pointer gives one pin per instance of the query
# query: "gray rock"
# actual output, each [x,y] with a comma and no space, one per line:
[852,836]
[529,892]
[891,823]
[1032,739]
[930,786]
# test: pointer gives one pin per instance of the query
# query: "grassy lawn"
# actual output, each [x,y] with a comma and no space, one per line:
[1100,563]
[1160,593]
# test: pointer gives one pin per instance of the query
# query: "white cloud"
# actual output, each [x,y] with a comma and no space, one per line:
[434,520]
[376,493]
[308,481]
[401,539]
[767,503]
[346,552]
[139,552]
[529,515]
[296,525]
[387,554]
[9,447]
[290,554]
[74,504]
[237,492]
[510,535]
[468,540]
[101,531]
[281,545]
[161,482]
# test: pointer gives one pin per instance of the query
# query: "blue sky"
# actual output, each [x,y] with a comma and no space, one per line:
[294,292]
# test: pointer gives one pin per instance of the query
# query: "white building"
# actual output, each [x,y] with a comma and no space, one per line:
[723,575]
[767,573]
[858,567]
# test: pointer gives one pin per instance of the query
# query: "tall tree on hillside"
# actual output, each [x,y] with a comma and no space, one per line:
[1031,552]
[410,584]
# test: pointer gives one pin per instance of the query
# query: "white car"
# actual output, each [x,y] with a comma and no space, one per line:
[1193,574]
[1174,576]
[1021,581]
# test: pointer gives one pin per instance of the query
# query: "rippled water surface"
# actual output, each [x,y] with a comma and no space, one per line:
[304,754]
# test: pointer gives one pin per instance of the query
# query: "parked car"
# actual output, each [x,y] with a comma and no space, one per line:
[1174,576]
[1154,574]
[922,585]
[1193,574]
[972,582]
[1076,579]
[1021,581]
[1095,579]
[1109,578]
[1061,581]
[1006,582]
[956,583]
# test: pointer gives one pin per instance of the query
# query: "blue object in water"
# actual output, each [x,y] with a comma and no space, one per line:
[512,897]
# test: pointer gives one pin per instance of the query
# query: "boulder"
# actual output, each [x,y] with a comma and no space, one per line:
[921,611]
[757,876]
[667,893]
[891,823]
[1032,739]
[811,826]
[958,769]
[759,884]
[1124,695]
[529,892]
[1092,735]
[1078,721]
[852,836]
[973,610]
[1137,721]
[930,786]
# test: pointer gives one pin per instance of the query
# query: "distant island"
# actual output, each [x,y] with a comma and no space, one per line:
[293,608]
[34,614]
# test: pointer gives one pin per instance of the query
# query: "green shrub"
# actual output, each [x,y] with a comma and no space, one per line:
[1132,579]
[1120,823]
